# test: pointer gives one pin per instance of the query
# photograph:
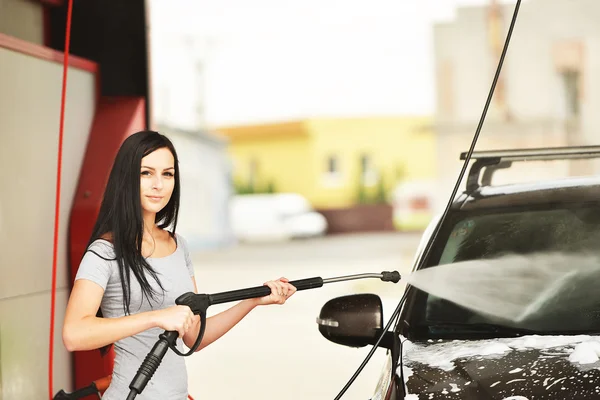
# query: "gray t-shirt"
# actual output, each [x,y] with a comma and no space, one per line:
[176,273]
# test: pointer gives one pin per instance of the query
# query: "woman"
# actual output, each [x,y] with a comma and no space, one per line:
[136,266]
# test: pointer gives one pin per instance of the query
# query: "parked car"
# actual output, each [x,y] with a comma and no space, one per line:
[440,350]
[274,217]
[413,204]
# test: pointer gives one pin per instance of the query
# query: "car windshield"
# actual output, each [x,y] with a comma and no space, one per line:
[473,237]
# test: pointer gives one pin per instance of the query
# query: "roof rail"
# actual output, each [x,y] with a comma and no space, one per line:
[492,160]
[548,153]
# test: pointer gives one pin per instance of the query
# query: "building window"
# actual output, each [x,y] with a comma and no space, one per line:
[569,62]
[570,80]
[332,176]
[332,165]
[365,162]
[368,173]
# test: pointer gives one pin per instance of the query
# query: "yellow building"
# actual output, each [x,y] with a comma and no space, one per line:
[328,160]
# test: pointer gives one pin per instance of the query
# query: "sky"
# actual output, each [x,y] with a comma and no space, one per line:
[272,60]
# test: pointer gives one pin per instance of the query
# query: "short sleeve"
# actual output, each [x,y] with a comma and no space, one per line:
[94,267]
[186,253]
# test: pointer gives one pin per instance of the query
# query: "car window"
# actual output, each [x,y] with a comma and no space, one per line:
[564,230]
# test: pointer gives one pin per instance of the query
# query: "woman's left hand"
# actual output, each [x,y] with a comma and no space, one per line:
[281,290]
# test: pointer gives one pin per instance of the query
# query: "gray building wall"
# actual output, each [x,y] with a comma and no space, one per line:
[29,102]
[178,110]
[550,38]
[206,187]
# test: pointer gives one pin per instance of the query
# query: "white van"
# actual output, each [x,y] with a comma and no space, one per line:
[274,217]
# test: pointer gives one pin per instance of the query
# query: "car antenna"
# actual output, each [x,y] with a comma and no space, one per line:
[436,231]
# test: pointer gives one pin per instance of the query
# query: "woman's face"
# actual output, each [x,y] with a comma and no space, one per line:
[157,180]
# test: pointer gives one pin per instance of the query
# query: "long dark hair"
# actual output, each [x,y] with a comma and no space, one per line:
[121,212]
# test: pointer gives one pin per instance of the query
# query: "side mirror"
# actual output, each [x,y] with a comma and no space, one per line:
[354,321]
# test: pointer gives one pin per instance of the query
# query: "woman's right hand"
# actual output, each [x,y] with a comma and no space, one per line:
[175,318]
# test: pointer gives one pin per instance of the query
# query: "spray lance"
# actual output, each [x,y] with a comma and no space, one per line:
[199,304]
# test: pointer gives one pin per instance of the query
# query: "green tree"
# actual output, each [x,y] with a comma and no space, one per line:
[381,194]
[242,187]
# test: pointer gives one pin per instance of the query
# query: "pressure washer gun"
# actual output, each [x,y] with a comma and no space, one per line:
[199,303]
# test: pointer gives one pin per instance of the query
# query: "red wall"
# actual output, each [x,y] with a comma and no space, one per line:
[115,119]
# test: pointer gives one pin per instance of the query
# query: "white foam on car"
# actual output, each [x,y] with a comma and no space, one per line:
[579,349]
[442,355]
[587,352]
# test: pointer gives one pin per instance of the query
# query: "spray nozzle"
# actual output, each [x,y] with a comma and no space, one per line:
[388,276]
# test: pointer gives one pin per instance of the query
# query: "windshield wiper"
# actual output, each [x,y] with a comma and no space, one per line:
[485,327]
[477,327]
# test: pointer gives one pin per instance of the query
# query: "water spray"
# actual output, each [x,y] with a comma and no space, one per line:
[515,289]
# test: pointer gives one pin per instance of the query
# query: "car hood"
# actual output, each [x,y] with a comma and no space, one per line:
[525,368]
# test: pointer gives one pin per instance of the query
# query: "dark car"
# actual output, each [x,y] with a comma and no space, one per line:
[440,350]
